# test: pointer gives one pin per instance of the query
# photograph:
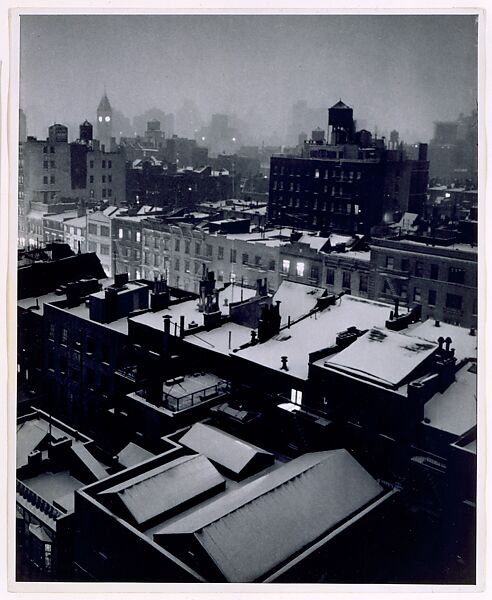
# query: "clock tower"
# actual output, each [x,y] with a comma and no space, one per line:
[104,123]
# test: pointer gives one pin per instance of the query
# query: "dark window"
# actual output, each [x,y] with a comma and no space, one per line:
[209,250]
[52,179]
[187,247]
[454,301]
[45,164]
[52,149]
[363,280]
[91,179]
[432,297]
[105,230]
[177,245]
[271,265]
[330,276]
[346,280]
[390,262]
[91,164]
[45,149]
[51,332]
[417,294]
[198,248]
[221,253]
[233,255]
[245,259]
[105,353]
[419,269]
[405,264]
[64,335]
[110,164]
[456,275]
[45,180]
[315,273]
[103,164]
[434,271]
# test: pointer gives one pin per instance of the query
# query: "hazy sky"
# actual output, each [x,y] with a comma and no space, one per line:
[401,72]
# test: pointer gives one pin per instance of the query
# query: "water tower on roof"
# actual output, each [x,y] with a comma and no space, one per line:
[341,120]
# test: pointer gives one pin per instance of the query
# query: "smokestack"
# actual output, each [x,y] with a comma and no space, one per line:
[181,326]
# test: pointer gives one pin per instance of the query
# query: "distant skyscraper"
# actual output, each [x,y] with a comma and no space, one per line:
[22,126]
[105,123]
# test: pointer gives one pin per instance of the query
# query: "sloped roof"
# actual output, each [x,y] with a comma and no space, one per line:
[340,104]
[133,454]
[166,487]
[30,434]
[223,448]
[250,530]
[96,468]
[383,356]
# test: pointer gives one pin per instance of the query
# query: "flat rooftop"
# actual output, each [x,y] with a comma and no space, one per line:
[455,410]
[465,345]
[189,309]
[382,356]
[314,333]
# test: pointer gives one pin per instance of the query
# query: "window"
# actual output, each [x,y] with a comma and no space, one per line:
[52,179]
[419,269]
[45,149]
[104,192]
[220,255]
[105,355]
[296,397]
[52,149]
[330,276]
[197,267]
[432,298]
[138,236]
[210,250]
[271,265]
[177,245]
[110,164]
[110,178]
[92,228]
[363,281]
[285,266]
[346,280]
[52,164]
[45,180]
[91,164]
[417,294]
[434,271]
[176,264]
[92,247]
[454,301]
[315,273]
[316,173]
[104,249]
[103,164]
[258,261]
[456,275]
[45,164]
[91,179]
[104,230]
[120,233]
[198,248]
[156,260]
[405,264]
[390,262]
[187,247]
[300,269]
[64,336]
[187,266]
[245,259]
[233,255]
[51,332]
[103,178]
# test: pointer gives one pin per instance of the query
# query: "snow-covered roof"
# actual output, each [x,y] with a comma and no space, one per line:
[315,333]
[296,299]
[382,356]
[250,530]
[465,345]
[166,487]
[455,410]
[133,454]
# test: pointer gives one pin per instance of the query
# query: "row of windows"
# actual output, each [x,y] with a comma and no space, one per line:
[455,274]
[109,164]
[104,248]
[317,173]
[49,164]
[103,229]
[334,191]
[335,207]
[109,178]
[51,149]
[151,259]
[75,339]
[51,180]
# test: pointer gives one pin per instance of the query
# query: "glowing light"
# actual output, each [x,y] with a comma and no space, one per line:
[203,139]
[107,119]
[100,119]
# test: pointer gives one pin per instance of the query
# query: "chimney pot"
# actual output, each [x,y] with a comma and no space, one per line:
[284,366]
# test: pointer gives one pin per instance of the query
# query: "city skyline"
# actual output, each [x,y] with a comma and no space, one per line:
[405,83]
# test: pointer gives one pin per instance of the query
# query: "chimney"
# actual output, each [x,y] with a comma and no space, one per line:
[167,335]
[181,326]
[284,366]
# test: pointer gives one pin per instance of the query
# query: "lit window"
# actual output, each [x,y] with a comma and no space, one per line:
[300,269]
[138,236]
[285,266]
[296,397]
[120,233]
[316,173]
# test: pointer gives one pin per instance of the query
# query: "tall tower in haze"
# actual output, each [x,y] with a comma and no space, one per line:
[104,123]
